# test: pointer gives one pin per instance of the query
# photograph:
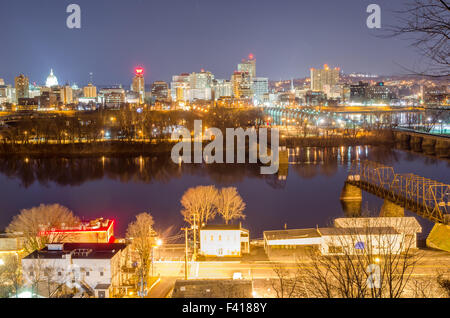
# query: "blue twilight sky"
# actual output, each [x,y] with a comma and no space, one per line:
[168,37]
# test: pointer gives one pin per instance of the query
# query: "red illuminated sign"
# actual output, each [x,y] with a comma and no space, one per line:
[139,71]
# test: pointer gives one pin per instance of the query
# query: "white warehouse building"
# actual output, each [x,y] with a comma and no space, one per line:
[92,268]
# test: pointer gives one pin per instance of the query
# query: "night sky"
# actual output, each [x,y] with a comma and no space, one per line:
[169,37]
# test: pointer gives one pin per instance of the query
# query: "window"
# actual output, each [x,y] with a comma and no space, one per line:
[59,274]
[220,237]
[87,273]
[335,249]
[101,273]
[212,238]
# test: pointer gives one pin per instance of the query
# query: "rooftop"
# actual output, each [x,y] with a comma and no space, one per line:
[291,234]
[229,227]
[399,223]
[334,231]
[213,288]
[78,251]
[97,225]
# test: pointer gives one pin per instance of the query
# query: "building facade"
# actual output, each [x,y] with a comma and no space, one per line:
[138,84]
[92,269]
[224,240]
[22,85]
[90,91]
[326,76]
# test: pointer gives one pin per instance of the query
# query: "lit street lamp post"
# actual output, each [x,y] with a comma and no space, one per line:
[159,242]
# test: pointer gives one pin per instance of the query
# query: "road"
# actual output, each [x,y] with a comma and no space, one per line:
[163,288]
[428,265]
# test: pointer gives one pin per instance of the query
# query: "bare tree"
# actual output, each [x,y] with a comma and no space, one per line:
[230,204]
[10,276]
[36,225]
[427,23]
[364,261]
[143,238]
[199,204]
[289,284]
[444,282]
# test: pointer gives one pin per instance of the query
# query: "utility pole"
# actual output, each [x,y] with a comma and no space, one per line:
[185,253]
[152,260]
[195,238]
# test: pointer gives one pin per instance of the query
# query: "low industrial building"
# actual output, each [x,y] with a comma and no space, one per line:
[90,268]
[409,226]
[350,236]
[224,240]
[286,243]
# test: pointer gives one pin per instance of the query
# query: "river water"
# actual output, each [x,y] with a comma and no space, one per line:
[304,195]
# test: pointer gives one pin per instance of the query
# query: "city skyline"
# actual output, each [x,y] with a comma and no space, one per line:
[280,56]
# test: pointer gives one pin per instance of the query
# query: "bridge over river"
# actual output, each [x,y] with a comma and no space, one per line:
[425,197]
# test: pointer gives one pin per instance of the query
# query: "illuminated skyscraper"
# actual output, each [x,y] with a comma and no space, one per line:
[326,76]
[66,94]
[90,91]
[180,87]
[200,85]
[260,89]
[138,84]
[22,84]
[248,66]
[222,88]
[160,90]
[242,85]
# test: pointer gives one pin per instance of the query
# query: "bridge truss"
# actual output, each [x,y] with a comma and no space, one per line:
[425,197]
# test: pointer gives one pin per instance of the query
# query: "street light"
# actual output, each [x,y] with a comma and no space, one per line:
[159,242]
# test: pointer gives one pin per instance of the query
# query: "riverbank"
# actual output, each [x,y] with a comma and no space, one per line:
[138,148]
[94,149]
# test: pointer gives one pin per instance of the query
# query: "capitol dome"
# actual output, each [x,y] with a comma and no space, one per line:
[51,80]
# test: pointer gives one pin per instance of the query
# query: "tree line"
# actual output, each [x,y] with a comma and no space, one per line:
[126,124]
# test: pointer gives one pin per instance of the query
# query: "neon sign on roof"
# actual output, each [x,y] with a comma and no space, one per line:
[139,71]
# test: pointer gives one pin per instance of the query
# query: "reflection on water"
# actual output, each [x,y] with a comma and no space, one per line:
[305,162]
[304,194]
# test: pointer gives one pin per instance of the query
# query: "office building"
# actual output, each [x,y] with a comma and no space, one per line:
[200,85]
[66,94]
[160,90]
[90,91]
[222,88]
[22,84]
[248,66]
[326,76]
[180,87]
[242,85]
[359,93]
[113,97]
[260,90]
[138,84]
